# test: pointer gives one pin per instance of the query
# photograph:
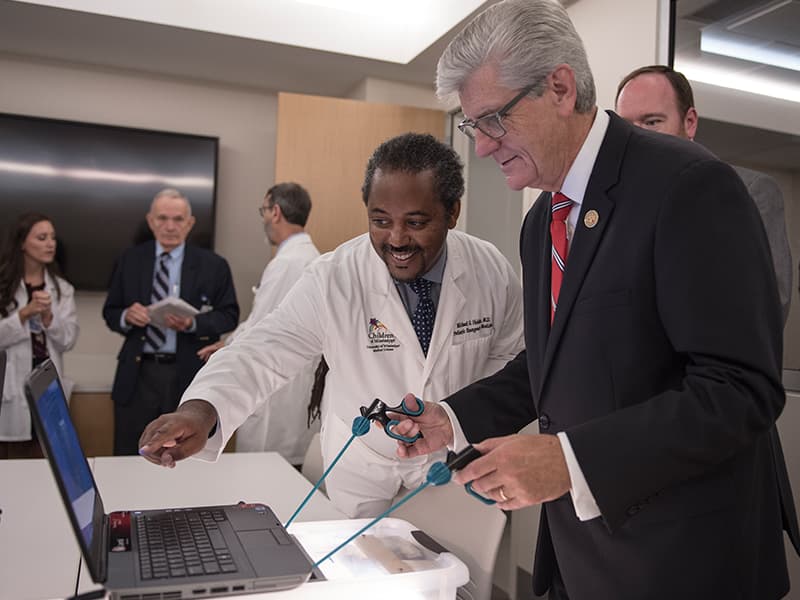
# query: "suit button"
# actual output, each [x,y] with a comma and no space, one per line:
[138,359]
[544,422]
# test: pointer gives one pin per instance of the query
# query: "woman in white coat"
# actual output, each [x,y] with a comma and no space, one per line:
[38,320]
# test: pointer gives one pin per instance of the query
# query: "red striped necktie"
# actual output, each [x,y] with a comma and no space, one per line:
[558,234]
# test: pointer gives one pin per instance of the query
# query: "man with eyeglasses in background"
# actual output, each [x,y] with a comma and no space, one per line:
[652,334]
[280,424]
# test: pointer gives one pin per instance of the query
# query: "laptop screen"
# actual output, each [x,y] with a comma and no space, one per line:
[73,470]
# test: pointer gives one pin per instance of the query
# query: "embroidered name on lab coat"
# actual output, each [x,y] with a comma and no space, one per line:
[379,338]
[472,329]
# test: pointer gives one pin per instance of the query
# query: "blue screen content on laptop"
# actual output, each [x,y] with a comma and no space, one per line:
[68,457]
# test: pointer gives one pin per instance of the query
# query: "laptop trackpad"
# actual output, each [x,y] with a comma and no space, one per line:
[247,520]
[262,551]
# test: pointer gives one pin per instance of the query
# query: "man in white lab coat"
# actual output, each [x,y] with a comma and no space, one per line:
[279,425]
[356,305]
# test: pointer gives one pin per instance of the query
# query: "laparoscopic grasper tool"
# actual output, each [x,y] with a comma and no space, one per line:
[377,411]
[440,473]
[374,412]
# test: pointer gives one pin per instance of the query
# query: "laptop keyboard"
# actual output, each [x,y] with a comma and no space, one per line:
[182,544]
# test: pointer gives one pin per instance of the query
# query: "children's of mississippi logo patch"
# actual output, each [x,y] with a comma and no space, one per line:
[379,338]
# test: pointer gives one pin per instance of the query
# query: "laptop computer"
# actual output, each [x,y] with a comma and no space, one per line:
[173,553]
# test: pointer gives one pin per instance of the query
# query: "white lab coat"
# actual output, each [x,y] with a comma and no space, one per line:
[347,306]
[15,338]
[280,425]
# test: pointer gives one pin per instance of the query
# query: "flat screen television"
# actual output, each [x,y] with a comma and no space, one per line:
[96,183]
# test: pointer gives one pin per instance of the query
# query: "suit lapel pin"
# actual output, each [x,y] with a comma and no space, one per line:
[591,218]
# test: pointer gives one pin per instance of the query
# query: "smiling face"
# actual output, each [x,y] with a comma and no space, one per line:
[650,102]
[408,224]
[533,152]
[40,243]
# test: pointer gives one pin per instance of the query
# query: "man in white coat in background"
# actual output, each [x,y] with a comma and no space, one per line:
[368,307]
[279,425]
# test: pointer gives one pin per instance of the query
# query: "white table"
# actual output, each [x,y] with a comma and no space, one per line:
[39,556]
[130,482]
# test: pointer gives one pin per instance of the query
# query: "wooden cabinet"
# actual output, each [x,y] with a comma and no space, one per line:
[93,415]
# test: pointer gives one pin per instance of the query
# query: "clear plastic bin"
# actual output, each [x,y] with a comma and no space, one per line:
[386,562]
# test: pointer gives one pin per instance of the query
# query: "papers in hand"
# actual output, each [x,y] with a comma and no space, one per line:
[170,306]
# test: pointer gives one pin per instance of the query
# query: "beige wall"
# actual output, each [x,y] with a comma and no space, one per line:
[243,119]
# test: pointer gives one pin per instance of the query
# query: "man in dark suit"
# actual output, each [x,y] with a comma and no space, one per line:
[156,364]
[652,330]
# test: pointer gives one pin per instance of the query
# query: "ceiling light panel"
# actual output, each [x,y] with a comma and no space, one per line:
[377,29]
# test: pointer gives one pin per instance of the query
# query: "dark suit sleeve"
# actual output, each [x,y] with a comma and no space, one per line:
[115,303]
[221,296]
[497,405]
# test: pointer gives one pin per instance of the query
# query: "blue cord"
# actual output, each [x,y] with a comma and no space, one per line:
[438,474]
[370,524]
[359,428]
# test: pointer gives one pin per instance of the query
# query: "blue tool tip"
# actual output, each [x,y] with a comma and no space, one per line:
[360,426]
[438,474]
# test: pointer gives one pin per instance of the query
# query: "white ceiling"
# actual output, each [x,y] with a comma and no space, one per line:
[378,29]
[49,33]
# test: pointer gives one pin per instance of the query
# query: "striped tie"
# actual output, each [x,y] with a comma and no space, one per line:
[558,235]
[424,314]
[155,336]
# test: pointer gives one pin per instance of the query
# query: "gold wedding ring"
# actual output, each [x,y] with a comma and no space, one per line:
[503,495]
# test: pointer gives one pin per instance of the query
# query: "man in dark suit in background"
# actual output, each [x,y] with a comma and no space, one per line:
[652,333]
[659,98]
[156,364]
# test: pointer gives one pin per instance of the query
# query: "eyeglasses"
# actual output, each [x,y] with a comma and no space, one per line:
[263,209]
[492,125]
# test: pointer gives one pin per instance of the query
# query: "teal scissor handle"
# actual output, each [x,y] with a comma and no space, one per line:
[377,412]
[471,492]
[456,462]
[404,409]
[396,436]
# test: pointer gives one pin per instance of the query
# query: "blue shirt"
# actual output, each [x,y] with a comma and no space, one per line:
[174,265]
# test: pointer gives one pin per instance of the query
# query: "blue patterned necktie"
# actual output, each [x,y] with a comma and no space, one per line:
[425,313]
[155,336]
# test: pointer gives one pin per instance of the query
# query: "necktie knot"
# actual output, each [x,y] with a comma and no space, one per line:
[560,207]
[421,287]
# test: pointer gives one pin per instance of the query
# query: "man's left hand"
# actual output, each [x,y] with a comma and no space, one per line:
[518,470]
[178,323]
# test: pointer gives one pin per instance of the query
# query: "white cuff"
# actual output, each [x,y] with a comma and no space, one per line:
[582,497]
[459,439]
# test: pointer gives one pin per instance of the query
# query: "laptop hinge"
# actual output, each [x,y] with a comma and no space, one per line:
[102,565]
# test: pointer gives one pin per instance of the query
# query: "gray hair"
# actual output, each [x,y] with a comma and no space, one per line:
[171,193]
[525,40]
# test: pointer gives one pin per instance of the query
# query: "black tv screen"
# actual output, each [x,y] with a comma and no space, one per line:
[96,183]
